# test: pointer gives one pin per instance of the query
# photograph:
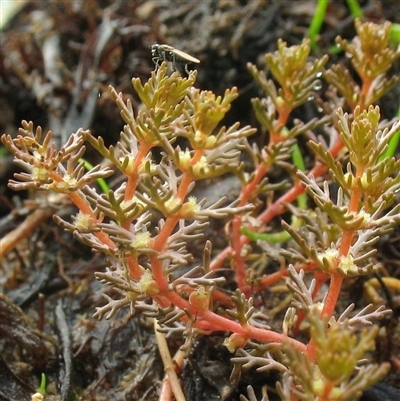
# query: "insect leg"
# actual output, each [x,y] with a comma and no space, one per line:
[174,62]
[186,69]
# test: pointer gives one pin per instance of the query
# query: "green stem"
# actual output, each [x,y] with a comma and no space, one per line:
[101,181]
[316,23]
[393,143]
[395,34]
[355,9]
[42,388]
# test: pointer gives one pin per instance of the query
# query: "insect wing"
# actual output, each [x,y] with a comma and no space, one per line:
[184,56]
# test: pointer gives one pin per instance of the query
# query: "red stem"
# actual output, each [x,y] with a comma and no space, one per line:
[277,207]
[210,321]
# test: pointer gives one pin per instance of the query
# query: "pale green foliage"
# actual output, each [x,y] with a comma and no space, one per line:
[375,180]
[297,78]
[338,354]
[371,57]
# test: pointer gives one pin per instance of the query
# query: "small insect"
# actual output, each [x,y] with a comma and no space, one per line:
[160,53]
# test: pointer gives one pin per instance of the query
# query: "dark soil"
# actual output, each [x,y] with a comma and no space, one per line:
[47,280]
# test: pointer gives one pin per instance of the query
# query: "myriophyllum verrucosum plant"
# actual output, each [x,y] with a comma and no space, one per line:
[351,189]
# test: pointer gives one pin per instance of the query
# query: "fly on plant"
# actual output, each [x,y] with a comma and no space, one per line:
[160,53]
